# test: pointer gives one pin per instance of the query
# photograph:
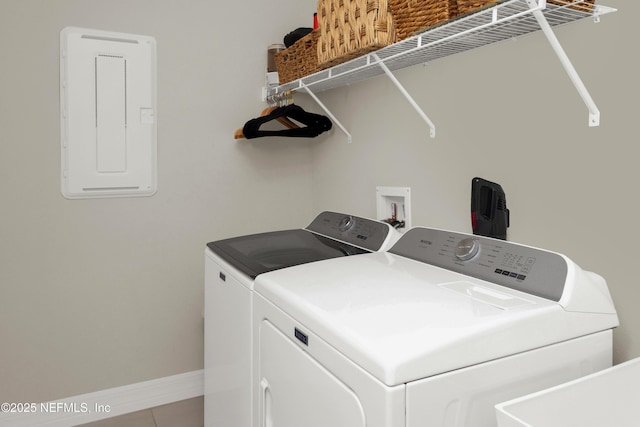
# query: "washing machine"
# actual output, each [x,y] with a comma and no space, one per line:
[231,266]
[432,333]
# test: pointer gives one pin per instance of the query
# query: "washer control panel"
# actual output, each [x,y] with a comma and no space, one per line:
[357,231]
[531,270]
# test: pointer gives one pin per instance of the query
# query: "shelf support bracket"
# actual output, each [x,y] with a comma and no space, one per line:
[326,110]
[594,113]
[414,104]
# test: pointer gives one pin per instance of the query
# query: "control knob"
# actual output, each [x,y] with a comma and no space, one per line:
[346,223]
[467,249]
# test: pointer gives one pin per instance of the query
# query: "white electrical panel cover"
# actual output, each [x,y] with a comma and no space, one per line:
[107,113]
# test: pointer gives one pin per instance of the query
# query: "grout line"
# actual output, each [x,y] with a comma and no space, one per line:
[153,417]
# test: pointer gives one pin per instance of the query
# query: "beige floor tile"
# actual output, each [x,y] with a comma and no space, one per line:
[134,419]
[187,413]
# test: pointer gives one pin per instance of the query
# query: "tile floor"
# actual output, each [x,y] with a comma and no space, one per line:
[187,413]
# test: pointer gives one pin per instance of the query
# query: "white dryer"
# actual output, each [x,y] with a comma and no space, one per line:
[434,333]
[231,265]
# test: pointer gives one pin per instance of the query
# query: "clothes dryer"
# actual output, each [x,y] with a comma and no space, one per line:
[434,332]
[231,266]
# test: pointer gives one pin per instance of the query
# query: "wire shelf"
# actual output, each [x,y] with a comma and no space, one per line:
[506,20]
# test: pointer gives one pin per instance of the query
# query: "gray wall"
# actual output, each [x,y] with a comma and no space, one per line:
[100,293]
[96,294]
[509,113]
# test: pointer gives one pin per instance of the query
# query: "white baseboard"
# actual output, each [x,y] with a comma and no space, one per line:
[106,403]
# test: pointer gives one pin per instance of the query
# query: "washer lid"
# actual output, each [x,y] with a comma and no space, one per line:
[259,253]
[403,320]
[329,235]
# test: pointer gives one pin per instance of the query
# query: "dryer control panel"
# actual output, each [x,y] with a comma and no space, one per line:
[357,231]
[531,270]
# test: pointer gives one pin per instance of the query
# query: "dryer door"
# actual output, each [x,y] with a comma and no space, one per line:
[298,391]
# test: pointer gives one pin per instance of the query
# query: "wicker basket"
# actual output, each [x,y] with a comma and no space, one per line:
[584,5]
[351,28]
[299,59]
[468,6]
[412,16]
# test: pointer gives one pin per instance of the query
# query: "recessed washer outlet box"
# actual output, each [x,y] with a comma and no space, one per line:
[107,114]
[394,204]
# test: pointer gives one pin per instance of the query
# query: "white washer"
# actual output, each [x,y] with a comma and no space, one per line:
[434,332]
[231,265]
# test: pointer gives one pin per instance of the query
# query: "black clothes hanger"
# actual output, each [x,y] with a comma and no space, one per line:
[315,123]
[284,120]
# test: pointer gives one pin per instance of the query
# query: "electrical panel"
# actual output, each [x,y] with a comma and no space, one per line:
[107,114]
